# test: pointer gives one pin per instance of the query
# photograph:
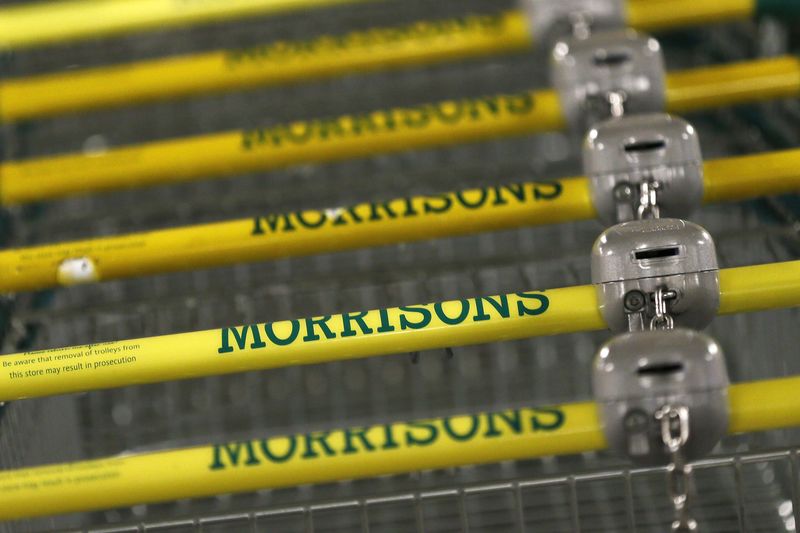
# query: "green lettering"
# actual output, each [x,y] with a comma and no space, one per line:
[405,323]
[474,204]
[449,112]
[386,326]
[558,419]
[301,217]
[374,213]
[430,430]
[358,318]
[269,329]
[233,451]
[360,434]
[250,138]
[322,323]
[492,104]
[438,307]
[362,123]
[273,223]
[517,190]
[473,428]
[389,442]
[544,303]
[410,211]
[512,419]
[500,306]
[240,337]
[340,219]
[541,192]
[491,22]
[416,117]
[298,132]
[320,438]
[389,120]
[258,229]
[330,127]
[279,458]
[445,206]
[519,104]
[309,46]
[233,56]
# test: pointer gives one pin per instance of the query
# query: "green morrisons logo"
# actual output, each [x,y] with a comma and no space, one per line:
[311,446]
[423,30]
[448,113]
[409,208]
[365,323]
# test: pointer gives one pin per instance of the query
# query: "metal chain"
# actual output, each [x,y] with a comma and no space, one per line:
[675,434]
[648,200]
[645,206]
[616,101]
[581,23]
[662,318]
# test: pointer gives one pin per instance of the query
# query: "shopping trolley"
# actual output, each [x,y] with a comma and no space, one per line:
[750,483]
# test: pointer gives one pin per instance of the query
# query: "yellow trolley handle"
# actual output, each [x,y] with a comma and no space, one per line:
[353,453]
[58,21]
[274,236]
[417,44]
[355,136]
[353,335]
[67,20]
[278,63]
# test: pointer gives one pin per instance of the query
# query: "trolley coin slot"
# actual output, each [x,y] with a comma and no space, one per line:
[660,369]
[657,253]
[645,146]
[611,58]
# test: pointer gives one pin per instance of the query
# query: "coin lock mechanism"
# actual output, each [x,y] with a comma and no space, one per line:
[638,376]
[644,166]
[656,274]
[608,74]
[552,19]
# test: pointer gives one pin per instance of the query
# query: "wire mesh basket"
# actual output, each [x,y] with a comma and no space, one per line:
[750,484]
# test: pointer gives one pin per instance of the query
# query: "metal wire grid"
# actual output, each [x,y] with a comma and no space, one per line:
[477,378]
[251,108]
[593,501]
[389,388]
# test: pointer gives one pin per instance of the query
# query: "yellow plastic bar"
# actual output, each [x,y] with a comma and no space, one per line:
[66,20]
[758,288]
[293,234]
[321,140]
[733,84]
[352,453]
[420,43]
[352,335]
[355,136]
[750,176]
[655,15]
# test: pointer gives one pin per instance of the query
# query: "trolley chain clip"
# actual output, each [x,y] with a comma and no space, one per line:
[663,399]
[656,274]
[607,74]
[643,166]
[674,422]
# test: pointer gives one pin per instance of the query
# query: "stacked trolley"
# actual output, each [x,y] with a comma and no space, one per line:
[406,158]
